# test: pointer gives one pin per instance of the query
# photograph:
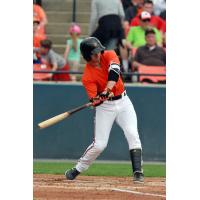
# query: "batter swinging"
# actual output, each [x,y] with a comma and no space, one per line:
[105,89]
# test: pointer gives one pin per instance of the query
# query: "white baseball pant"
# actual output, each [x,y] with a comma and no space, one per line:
[121,111]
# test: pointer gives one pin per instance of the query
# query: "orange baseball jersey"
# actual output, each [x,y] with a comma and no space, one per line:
[95,79]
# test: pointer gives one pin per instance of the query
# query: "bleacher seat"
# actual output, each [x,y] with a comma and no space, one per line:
[41,76]
[152,70]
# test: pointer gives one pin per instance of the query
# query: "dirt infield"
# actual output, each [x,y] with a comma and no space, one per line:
[56,187]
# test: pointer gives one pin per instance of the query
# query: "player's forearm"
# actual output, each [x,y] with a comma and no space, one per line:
[107,93]
[113,75]
[110,84]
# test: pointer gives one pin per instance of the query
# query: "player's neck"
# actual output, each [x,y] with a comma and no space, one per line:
[94,63]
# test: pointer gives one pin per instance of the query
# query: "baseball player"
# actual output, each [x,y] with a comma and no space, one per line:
[105,89]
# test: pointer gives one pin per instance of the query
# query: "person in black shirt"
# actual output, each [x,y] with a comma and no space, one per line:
[150,54]
[126,4]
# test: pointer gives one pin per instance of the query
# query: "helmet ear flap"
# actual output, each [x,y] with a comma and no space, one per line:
[85,53]
[87,57]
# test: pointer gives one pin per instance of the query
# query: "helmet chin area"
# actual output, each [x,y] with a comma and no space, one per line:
[95,57]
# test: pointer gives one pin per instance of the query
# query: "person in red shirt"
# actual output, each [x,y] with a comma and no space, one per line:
[156,21]
[105,88]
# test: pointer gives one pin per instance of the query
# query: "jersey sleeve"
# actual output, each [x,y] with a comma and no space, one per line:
[112,58]
[89,85]
[113,66]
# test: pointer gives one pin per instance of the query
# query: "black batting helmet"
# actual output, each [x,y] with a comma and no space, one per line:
[89,46]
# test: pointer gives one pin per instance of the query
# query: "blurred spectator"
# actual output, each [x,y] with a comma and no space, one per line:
[156,21]
[72,51]
[124,54]
[164,41]
[37,36]
[133,10]
[38,2]
[39,13]
[136,35]
[150,54]
[109,15]
[159,6]
[50,58]
[126,4]
[163,15]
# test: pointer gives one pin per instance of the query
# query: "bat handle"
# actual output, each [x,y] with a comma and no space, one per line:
[80,108]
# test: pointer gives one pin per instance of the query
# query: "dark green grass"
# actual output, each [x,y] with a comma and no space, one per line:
[99,169]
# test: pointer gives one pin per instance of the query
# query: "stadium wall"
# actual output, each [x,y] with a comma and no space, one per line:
[69,138]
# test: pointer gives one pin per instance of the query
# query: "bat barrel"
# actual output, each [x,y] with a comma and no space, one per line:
[58,118]
[53,120]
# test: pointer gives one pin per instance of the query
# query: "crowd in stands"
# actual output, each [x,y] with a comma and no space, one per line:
[135,29]
[45,58]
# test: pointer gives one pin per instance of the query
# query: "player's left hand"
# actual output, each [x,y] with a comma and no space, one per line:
[106,94]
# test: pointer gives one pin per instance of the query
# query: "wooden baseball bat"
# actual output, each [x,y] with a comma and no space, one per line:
[62,116]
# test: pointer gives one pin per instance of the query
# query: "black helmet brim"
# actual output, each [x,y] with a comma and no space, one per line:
[98,50]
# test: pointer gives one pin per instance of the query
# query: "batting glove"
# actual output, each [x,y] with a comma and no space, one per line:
[106,94]
[96,101]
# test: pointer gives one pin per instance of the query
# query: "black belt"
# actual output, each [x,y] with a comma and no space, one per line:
[117,97]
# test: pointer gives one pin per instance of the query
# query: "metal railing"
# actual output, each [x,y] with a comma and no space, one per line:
[77,72]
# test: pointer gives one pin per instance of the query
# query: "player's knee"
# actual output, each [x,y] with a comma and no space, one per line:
[100,146]
[132,136]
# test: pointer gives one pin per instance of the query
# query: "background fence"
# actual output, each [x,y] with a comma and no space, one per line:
[69,138]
